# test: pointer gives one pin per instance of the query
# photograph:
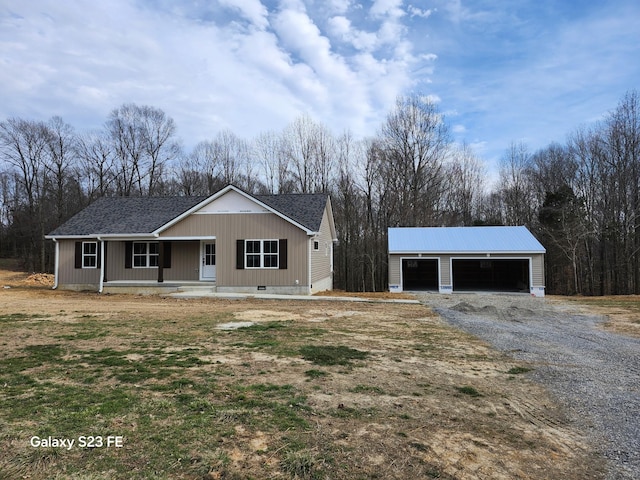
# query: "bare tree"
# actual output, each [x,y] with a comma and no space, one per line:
[515,186]
[230,155]
[622,140]
[123,127]
[159,144]
[269,151]
[415,142]
[143,141]
[299,147]
[23,146]
[563,224]
[61,141]
[324,159]
[464,185]
[96,169]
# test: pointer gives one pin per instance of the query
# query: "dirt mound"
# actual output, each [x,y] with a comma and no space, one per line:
[464,307]
[39,280]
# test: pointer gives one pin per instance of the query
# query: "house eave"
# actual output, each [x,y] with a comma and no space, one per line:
[466,252]
[107,236]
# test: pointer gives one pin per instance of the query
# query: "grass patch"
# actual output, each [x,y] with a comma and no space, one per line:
[265,327]
[314,373]
[302,464]
[518,370]
[330,355]
[20,317]
[367,389]
[466,390]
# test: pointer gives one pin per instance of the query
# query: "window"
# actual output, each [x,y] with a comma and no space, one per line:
[145,254]
[316,245]
[270,254]
[89,254]
[261,253]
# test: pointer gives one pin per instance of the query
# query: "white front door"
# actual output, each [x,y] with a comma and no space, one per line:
[208,261]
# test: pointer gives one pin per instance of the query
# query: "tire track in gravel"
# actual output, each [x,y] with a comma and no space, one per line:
[594,374]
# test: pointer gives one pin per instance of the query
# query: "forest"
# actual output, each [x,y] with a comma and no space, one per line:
[581,199]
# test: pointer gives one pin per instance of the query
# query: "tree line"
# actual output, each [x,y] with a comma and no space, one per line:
[581,199]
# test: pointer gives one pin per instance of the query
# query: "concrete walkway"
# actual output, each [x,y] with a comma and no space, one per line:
[268,296]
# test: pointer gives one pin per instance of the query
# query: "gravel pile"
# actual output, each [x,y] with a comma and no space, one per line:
[593,373]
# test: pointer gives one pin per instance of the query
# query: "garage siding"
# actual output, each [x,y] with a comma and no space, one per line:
[395,266]
[394,269]
[537,267]
[445,269]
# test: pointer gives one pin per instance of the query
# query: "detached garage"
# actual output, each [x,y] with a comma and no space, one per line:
[471,259]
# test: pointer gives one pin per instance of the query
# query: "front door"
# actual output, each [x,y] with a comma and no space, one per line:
[208,262]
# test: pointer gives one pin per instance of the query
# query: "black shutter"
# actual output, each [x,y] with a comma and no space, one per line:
[240,254]
[104,279]
[98,259]
[167,255]
[78,258]
[282,252]
[128,254]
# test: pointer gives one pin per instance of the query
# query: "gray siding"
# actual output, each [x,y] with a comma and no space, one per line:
[185,263]
[538,270]
[227,228]
[394,269]
[321,258]
[445,270]
[67,273]
[116,270]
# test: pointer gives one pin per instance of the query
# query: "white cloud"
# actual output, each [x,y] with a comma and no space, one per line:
[418,12]
[435,99]
[252,10]
[341,27]
[339,7]
[82,61]
[387,8]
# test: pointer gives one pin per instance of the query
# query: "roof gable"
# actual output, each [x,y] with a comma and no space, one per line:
[231,202]
[478,240]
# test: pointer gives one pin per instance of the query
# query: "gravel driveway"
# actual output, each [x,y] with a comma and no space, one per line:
[593,373]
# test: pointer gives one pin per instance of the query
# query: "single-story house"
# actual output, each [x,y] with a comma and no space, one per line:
[456,259]
[231,241]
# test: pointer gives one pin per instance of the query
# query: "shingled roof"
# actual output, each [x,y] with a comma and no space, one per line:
[125,215]
[145,215]
[304,208]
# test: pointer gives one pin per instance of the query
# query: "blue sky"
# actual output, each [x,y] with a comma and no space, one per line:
[501,71]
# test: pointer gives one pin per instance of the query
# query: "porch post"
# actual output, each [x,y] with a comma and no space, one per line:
[161,263]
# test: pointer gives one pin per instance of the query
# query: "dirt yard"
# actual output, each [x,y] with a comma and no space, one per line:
[193,400]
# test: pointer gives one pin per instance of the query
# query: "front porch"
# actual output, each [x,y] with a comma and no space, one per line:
[160,266]
[146,287]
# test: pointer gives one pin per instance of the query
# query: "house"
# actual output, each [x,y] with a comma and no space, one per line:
[456,259]
[231,242]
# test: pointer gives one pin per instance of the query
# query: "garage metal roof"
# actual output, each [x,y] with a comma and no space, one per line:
[478,240]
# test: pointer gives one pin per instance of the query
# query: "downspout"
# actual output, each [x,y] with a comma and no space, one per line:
[101,284]
[56,264]
[309,253]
